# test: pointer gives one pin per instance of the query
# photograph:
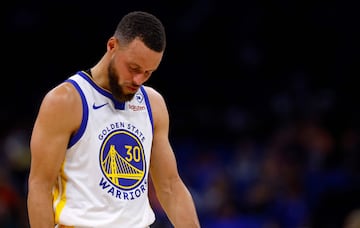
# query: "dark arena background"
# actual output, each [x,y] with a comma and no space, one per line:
[263,100]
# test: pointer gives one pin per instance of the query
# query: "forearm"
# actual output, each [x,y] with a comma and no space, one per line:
[179,206]
[40,210]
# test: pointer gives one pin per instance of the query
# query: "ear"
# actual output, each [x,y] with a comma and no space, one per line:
[111,44]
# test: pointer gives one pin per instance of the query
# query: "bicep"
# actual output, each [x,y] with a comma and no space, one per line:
[163,163]
[47,150]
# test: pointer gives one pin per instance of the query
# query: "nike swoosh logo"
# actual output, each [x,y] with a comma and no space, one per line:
[98,106]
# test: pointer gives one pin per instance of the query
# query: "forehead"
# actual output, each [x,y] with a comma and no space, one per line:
[137,53]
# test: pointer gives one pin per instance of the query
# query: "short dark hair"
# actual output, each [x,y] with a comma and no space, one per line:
[145,26]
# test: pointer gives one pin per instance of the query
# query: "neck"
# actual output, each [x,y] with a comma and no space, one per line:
[100,76]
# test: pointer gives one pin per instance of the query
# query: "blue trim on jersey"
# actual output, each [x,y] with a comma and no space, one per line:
[117,104]
[147,102]
[85,115]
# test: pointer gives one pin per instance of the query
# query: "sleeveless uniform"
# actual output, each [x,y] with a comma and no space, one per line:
[104,177]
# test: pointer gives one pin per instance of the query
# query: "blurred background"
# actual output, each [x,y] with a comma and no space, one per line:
[262,96]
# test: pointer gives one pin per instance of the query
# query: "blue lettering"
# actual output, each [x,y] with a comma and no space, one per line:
[137,193]
[104,183]
[129,195]
[111,190]
[118,194]
[120,125]
[142,187]
[132,197]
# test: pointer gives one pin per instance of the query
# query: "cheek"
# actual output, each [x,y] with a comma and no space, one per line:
[120,72]
[118,64]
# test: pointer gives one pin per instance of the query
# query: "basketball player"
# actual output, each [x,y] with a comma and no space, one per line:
[100,134]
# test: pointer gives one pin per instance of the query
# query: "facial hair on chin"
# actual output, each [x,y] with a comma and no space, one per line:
[115,89]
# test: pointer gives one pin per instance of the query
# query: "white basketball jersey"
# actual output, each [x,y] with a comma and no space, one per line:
[104,177]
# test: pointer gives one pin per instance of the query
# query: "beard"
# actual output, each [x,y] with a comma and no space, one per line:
[116,90]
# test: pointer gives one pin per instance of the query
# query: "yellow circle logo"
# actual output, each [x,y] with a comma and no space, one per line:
[122,159]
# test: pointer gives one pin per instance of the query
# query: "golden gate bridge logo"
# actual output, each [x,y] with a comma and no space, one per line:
[122,159]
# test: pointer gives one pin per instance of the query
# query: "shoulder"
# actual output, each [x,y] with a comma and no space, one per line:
[155,97]
[158,104]
[63,95]
[62,105]
[152,92]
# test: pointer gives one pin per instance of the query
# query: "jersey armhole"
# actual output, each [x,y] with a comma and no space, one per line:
[85,114]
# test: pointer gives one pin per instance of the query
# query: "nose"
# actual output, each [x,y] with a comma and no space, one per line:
[139,79]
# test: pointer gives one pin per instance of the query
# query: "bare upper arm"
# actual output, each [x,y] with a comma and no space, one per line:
[162,156]
[58,118]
